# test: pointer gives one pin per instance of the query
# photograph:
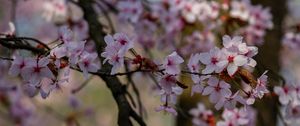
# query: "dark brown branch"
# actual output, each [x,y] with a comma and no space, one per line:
[110,7]
[13,43]
[36,41]
[112,82]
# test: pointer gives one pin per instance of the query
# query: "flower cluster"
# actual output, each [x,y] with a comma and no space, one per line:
[291,40]
[258,18]
[235,117]
[115,50]
[233,60]
[41,73]
[289,98]
[60,11]
[161,20]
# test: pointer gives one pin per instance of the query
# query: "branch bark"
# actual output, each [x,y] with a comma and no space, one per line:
[112,82]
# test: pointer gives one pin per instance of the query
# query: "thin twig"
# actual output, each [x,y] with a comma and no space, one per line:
[106,15]
[5,58]
[76,90]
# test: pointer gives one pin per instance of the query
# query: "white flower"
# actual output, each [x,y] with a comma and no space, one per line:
[171,64]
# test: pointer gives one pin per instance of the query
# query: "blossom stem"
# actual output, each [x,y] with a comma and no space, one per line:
[85,83]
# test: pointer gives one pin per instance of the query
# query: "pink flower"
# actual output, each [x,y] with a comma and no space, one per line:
[291,40]
[198,85]
[130,10]
[232,44]
[293,111]
[37,70]
[166,109]
[122,42]
[261,88]
[171,63]
[262,16]
[59,52]
[170,97]
[211,59]
[112,54]
[198,42]
[189,12]
[235,117]
[284,94]
[240,9]
[55,10]
[194,66]
[65,34]
[74,51]
[249,52]
[30,89]
[88,63]
[204,10]
[18,65]
[201,115]
[229,102]
[216,89]
[232,61]
[167,82]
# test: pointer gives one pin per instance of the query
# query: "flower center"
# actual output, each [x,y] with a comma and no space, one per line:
[214,60]
[37,69]
[230,59]
[123,42]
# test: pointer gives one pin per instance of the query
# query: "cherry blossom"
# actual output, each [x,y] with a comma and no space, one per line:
[216,89]
[115,50]
[180,27]
[19,64]
[87,64]
[229,102]
[291,40]
[198,85]
[166,109]
[240,9]
[201,115]
[170,97]
[235,117]
[194,66]
[123,42]
[284,94]
[293,111]
[37,70]
[189,12]
[232,44]
[198,42]
[261,88]
[130,10]
[232,61]
[55,10]
[65,34]
[211,59]
[167,82]
[171,63]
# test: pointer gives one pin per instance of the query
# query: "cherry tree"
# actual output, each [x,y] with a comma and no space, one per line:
[215,44]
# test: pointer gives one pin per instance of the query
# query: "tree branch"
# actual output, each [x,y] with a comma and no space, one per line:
[112,82]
